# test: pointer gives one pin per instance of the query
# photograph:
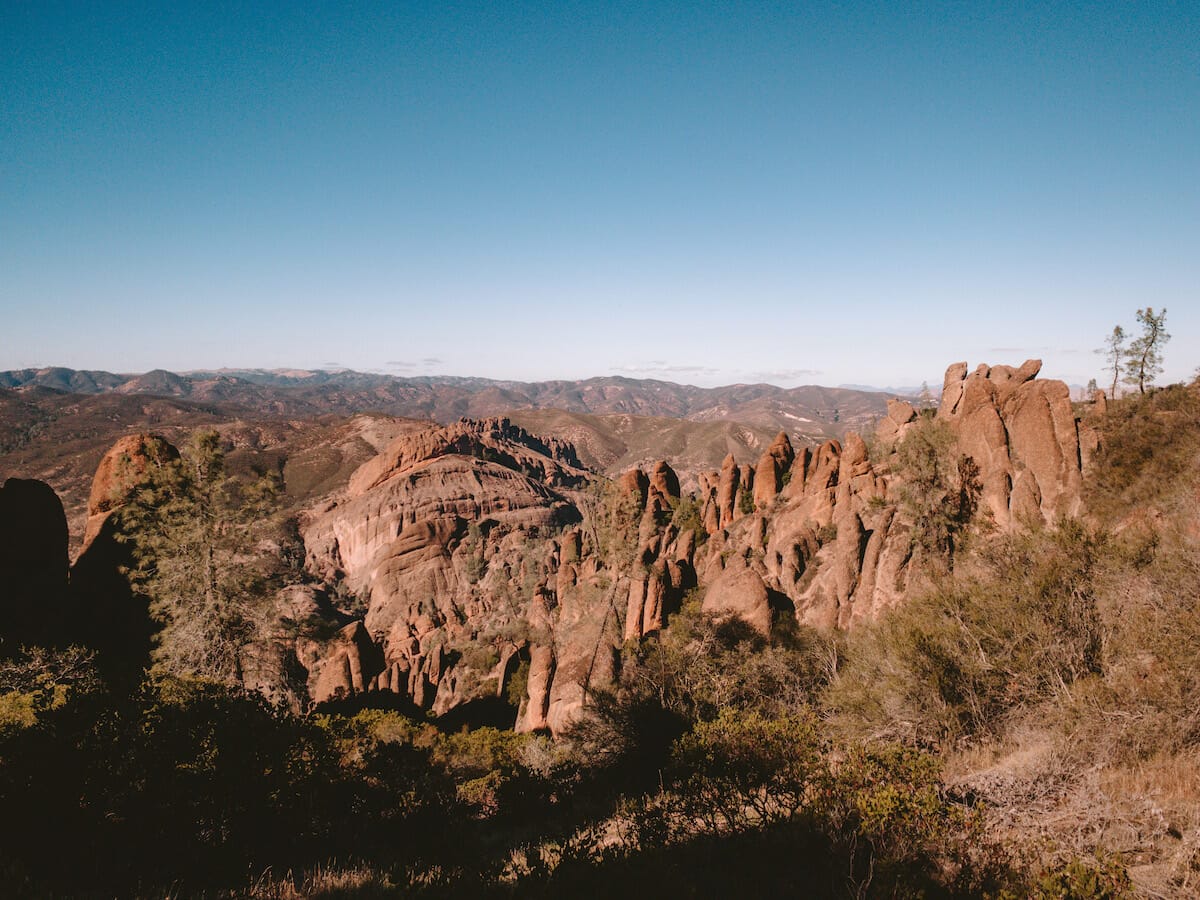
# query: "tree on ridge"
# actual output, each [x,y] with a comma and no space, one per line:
[1143,359]
[1114,357]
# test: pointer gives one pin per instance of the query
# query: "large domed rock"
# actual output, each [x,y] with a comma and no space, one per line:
[445,537]
[740,592]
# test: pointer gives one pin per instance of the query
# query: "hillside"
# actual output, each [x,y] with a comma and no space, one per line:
[804,412]
[55,424]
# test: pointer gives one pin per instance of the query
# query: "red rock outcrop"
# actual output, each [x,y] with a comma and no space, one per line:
[122,469]
[772,466]
[662,568]
[1023,436]
[833,541]
[899,414]
[437,534]
[740,591]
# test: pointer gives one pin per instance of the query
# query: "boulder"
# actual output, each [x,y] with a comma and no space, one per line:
[740,591]
[122,470]
[33,564]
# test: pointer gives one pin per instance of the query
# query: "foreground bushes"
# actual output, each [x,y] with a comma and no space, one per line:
[1022,627]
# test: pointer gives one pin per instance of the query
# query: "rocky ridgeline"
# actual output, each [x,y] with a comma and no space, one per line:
[480,554]
[811,532]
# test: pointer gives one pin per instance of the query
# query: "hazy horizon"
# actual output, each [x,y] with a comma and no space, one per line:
[906,390]
[825,194]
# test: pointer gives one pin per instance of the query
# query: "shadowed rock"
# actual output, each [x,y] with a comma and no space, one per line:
[33,565]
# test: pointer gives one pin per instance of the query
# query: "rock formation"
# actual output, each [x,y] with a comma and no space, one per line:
[33,565]
[479,547]
[447,534]
[122,469]
[1023,435]
[460,557]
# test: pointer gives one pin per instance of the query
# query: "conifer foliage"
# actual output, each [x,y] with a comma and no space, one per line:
[1143,359]
[194,528]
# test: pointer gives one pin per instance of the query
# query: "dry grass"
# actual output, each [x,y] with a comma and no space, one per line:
[324,883]
[1044,797]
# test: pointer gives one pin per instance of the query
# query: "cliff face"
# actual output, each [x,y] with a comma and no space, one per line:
[1023,434]
[446,538]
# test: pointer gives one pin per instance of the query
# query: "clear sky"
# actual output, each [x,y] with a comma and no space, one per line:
[702,192]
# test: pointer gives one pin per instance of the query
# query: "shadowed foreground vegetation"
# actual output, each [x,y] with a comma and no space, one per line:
[1026,726]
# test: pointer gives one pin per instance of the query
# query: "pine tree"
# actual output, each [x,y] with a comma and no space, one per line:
[939,488]
[1114,357]
[193,529]
[1143,359]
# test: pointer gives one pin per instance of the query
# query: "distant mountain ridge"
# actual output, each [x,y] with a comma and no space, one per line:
[56,423]
[808,413]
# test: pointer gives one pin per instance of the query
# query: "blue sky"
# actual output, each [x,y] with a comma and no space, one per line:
[703,192]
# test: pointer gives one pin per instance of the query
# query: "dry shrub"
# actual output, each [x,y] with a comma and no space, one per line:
[1019,628]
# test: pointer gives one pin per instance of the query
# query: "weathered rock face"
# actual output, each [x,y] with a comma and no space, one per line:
[122,469]
[740,591]
[832,540]
[891,428]
[772,466]
[348,664]
[662,568]
[471,565]
[1023,435]
[450,537]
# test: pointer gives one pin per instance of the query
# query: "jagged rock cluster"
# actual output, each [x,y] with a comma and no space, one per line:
[435,535]
[465,559]
[810,532]
[1023,435]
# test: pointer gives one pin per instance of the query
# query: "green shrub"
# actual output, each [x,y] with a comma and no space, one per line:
[688,516]
[518,685]
[1104,879]
[884,811]
[746,501]
[939,488]
[744,770]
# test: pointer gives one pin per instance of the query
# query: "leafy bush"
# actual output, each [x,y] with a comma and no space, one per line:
[36,679]
[688,516]
[1105,879]
[746,501]
[181,780]
[744,770]
[939,488]
[884,811]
